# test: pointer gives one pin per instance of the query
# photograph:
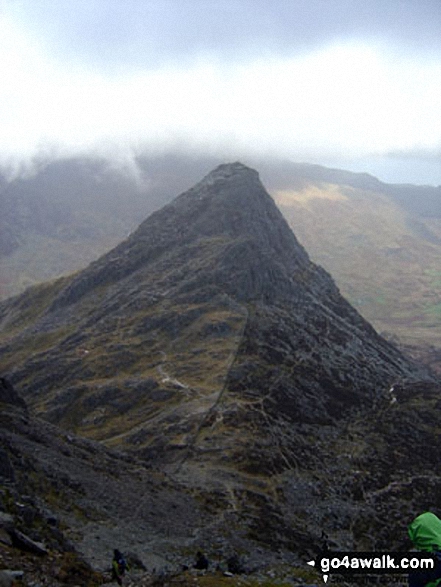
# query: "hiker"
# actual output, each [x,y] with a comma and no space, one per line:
[425,533]
[235,566]
[201,563]
[119,567]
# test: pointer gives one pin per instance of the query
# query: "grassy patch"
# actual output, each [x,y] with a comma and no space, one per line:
[33,302]
[433,272]
[434,310]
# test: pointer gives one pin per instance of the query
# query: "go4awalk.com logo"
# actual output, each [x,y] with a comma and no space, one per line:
[373,563]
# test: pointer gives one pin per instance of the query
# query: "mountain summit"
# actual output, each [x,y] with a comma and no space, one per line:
[230,214]
[211,346]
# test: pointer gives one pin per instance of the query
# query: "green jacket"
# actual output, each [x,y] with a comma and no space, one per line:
[425,533]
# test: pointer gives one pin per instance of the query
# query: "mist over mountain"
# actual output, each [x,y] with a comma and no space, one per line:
[59,215]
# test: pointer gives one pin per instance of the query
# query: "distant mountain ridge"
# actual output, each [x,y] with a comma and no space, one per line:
[423,200]
[384,255]
[62,216]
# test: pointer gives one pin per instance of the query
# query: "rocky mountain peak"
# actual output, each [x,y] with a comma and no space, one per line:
[228,171]
[230,217]
[230,200]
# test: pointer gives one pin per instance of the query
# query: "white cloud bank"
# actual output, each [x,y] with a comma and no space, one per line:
[346,100]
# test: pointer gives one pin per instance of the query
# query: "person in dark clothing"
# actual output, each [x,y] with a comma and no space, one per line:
[119,567]
[201,562]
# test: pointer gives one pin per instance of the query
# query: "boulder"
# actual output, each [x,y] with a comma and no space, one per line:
[23,542]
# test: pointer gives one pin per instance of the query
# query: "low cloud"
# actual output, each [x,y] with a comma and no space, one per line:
[343,100]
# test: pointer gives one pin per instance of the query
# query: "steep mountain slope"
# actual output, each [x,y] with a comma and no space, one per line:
[210,345]
[66,502]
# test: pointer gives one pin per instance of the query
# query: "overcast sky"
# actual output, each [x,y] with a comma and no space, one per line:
[354,84]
